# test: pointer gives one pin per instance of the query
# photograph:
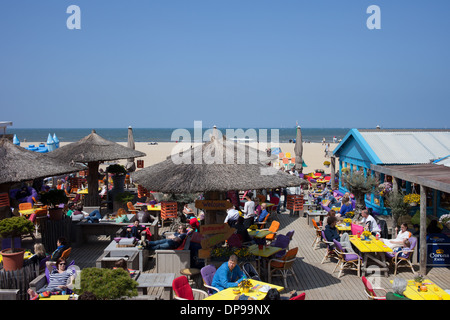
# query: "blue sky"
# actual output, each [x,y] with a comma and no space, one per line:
[238,63]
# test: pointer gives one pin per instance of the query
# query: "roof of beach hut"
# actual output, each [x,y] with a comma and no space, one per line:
[18,164]
[217,165]
[94,148]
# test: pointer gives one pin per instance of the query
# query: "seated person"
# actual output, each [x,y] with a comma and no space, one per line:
[333,202]
[405,245]
[263,213]
[228,275]
[60,278]
[345,207]
[135,230]
[171,242]
[188,213]
[143,216]
[398,289]
[38,256]
[369,222]
[398,240]
[241,229]
[331,233]
[61,244]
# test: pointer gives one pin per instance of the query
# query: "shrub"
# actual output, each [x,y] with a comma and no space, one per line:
[107,284]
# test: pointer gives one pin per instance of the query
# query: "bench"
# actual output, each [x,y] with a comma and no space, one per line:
[108,261]
[173,261]
[107,228]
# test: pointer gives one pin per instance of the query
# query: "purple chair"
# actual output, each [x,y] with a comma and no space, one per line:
[281,241]
[290,234]
[347,260]
[47,273]
[404,255]
[330,248]
[208,273]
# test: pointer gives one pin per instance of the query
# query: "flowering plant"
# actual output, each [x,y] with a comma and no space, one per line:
[412,198]
[418,278]
[347,220]
[385,188]
[366,233]
[245,283]
[350,214]
[445,219]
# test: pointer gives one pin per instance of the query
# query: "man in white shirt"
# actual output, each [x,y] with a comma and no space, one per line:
[369,222]
[232,216]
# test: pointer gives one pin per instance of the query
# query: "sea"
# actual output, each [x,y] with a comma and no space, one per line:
[284,135]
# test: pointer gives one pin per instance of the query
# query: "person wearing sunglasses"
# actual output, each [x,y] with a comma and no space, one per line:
[60,279]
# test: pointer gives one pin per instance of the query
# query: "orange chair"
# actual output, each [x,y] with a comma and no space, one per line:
[263,223]
[274,228]
[25,206]
[66,253]
[131,208]
[318,230]
[284,266]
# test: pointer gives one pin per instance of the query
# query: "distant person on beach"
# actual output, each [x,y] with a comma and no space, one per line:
[323,140]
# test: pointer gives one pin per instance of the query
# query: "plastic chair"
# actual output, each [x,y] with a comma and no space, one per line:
[131,208]
[263,223]
[370,290]
[250,271]
[299,297]
[66,253]
[274,228]
[25,206]
[284,266]
[330,249]
[281,241]
[355,228]
[346,260]
[318,237]
[208,273]
[183,290]
[234,241]
[404,255]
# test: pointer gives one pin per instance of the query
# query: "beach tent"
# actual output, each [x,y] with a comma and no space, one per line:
[214,167]
[91,150]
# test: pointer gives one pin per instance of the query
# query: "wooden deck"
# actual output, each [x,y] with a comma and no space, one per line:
[316,279]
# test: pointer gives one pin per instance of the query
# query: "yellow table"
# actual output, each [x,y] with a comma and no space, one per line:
[228,294]
[156,207]
[343,227]
[27,212]
[265,253]
[258,233]
[56,297]
[434,292]
[373,249]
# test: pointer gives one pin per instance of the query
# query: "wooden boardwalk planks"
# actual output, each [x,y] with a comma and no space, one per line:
[316,279]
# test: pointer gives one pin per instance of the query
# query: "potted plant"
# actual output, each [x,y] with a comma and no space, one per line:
[412,199]
[107,284]
[245,285]
[418,279]
[11,228]
[399,207]
[326,164]
[118,173]
[53,199]
[445,220]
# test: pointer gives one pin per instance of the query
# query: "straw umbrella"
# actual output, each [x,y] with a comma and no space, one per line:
[298,149]
[18,164]
[214,167]
[93,149]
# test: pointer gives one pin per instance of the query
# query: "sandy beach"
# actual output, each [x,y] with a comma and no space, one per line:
[313,153]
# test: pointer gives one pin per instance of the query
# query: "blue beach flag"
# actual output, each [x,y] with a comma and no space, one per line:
[56,140]
[50,143]
[16,141]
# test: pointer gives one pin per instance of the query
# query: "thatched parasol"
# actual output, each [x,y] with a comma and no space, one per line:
[298,149]
[219,165]
[91,150]
[18,164]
